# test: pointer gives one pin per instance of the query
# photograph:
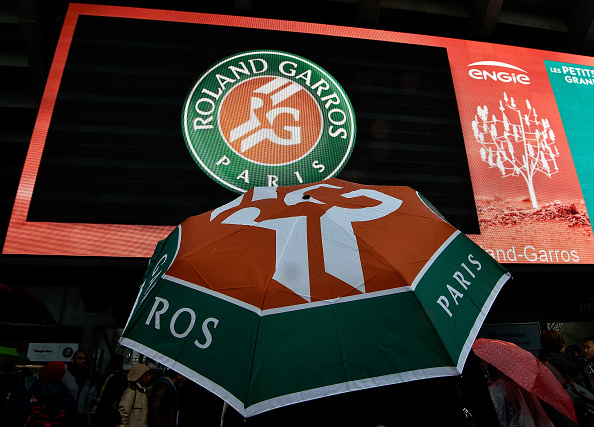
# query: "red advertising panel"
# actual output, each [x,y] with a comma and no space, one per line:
[504,116]
[528,195]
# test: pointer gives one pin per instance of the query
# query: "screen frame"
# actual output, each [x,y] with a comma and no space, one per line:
[111,240]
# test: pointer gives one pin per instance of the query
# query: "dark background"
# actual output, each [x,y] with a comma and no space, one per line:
[115,151]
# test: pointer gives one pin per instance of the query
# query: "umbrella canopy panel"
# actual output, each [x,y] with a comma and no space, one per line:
[20,306]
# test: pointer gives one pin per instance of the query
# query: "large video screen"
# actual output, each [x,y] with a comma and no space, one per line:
[496,137]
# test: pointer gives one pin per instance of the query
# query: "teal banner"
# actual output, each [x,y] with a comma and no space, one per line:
[573,86]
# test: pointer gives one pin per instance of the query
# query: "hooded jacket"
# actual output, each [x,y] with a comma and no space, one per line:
[133,405]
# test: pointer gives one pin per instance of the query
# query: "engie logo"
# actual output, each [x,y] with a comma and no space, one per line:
[498,71]
[268,118]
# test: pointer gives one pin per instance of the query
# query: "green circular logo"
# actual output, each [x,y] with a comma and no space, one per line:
[267,118]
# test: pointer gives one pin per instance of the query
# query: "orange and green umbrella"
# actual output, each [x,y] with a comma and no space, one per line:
[288,294]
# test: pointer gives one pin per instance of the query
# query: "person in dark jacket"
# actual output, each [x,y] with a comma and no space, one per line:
[589,355]
[569,367]
[77,381]
[199,406]
[164,402]
[50,396]
[104,409]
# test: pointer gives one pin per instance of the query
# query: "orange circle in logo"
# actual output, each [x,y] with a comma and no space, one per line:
[270,120]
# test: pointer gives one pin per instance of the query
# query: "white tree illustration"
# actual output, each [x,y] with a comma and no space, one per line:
[517,143]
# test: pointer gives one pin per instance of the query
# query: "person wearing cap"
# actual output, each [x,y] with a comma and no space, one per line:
[49,396]
[133,406]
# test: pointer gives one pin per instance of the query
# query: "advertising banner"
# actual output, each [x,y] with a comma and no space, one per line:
[152,116]
[527,188]
[51,352]
[525,335]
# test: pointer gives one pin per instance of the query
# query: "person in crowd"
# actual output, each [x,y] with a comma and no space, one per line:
[569,366]
[109,390]
[14,383]
[28,376]
[78,384]
[475,392]
[574,349]
[164,400]
[48,401]
[199,406]
[568,369]
[589,355]
[515,407]
[133,406]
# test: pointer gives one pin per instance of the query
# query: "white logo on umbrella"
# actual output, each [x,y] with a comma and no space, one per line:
[341,252]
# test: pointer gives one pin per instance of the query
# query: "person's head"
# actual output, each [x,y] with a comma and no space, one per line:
[146,378]
[80,359]
[493,373]
[174,377]
[116,363]
[25,372]
[52,372]
[552,341]
[574,350]
[589,348]
[140,374]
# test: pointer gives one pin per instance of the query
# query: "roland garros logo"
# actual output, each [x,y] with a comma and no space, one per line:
[268,118]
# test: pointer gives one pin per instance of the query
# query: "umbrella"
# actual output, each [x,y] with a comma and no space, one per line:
[20,306]
[527,371]
[288,294]
[13,356]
